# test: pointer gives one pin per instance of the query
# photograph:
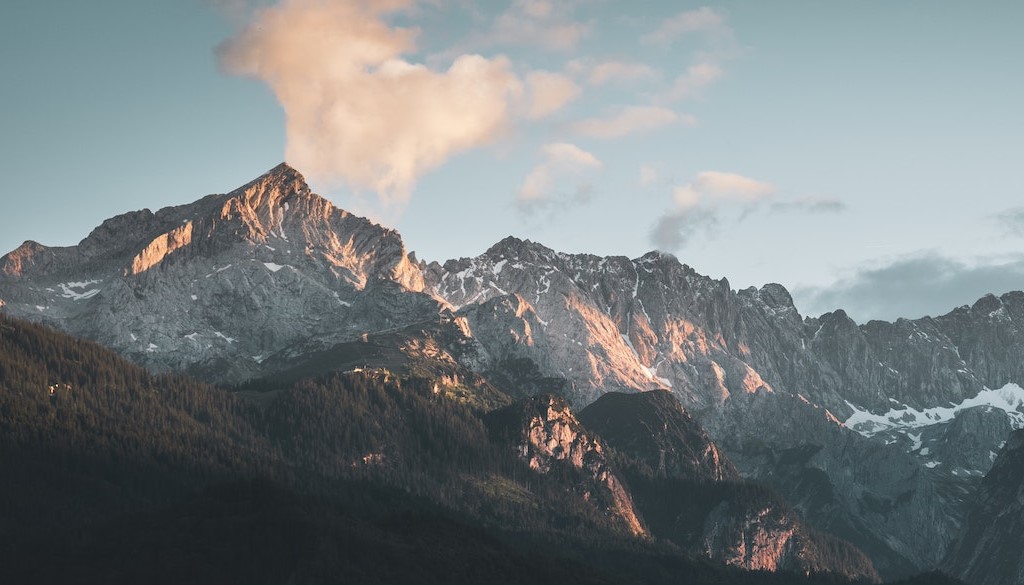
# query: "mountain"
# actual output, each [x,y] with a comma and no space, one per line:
[987,551]
[217,286]
[116,475]
[875,432]
[782,394]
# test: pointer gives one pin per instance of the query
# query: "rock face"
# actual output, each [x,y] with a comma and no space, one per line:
[217,286]
[653,428]
[689,492]
[987,551]
[547,435]
[766,382]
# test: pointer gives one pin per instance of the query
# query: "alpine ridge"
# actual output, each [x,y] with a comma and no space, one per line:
[877,433]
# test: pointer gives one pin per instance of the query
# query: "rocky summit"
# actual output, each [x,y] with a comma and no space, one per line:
[877,432]
[217,286]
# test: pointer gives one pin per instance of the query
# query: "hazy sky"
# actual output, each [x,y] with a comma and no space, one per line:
[865,154]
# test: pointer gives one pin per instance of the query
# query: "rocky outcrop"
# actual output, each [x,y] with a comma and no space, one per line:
[987,550]
[546,434]
[654,429]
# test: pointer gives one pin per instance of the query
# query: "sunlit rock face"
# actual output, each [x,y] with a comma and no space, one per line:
[546,434]
[987,550]
[217,286]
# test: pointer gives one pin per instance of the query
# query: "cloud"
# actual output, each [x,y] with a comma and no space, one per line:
[535,23]
[356,111]
[911,287]
[559,159]
[630,120]
[730,186]
[549,92]
[619,71]
[674,229]
[1012,221]
[697,77]
[696,204]
[809,205]
[649,175]
[703,20]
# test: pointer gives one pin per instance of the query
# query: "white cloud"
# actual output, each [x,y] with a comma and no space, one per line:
[355,110]
[549,92]
[702,19]
[630,120]
[559,158]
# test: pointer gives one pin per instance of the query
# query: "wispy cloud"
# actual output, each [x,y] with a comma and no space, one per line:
[703,20]
[695,79]
[696,205]
[649,175]
[630,120]
[558,159]
[1011,221]
[536,23]
[674,229]
[619,71]
[809,205]
[912,286]
[549,92]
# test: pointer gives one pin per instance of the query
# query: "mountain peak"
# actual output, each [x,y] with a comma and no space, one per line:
[273,187]
[513,247]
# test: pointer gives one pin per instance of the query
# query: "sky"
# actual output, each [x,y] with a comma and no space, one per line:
[867,155]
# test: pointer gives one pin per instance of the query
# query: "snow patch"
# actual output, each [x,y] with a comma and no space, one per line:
[1009,399]
[338,298]
[273,267]
[225,337]
[68,290]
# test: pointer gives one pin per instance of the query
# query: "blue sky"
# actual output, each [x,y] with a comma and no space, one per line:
[864,154]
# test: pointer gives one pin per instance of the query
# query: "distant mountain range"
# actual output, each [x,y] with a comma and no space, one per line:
[878,435]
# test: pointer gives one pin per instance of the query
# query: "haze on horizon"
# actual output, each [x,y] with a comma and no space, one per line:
[865,155]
